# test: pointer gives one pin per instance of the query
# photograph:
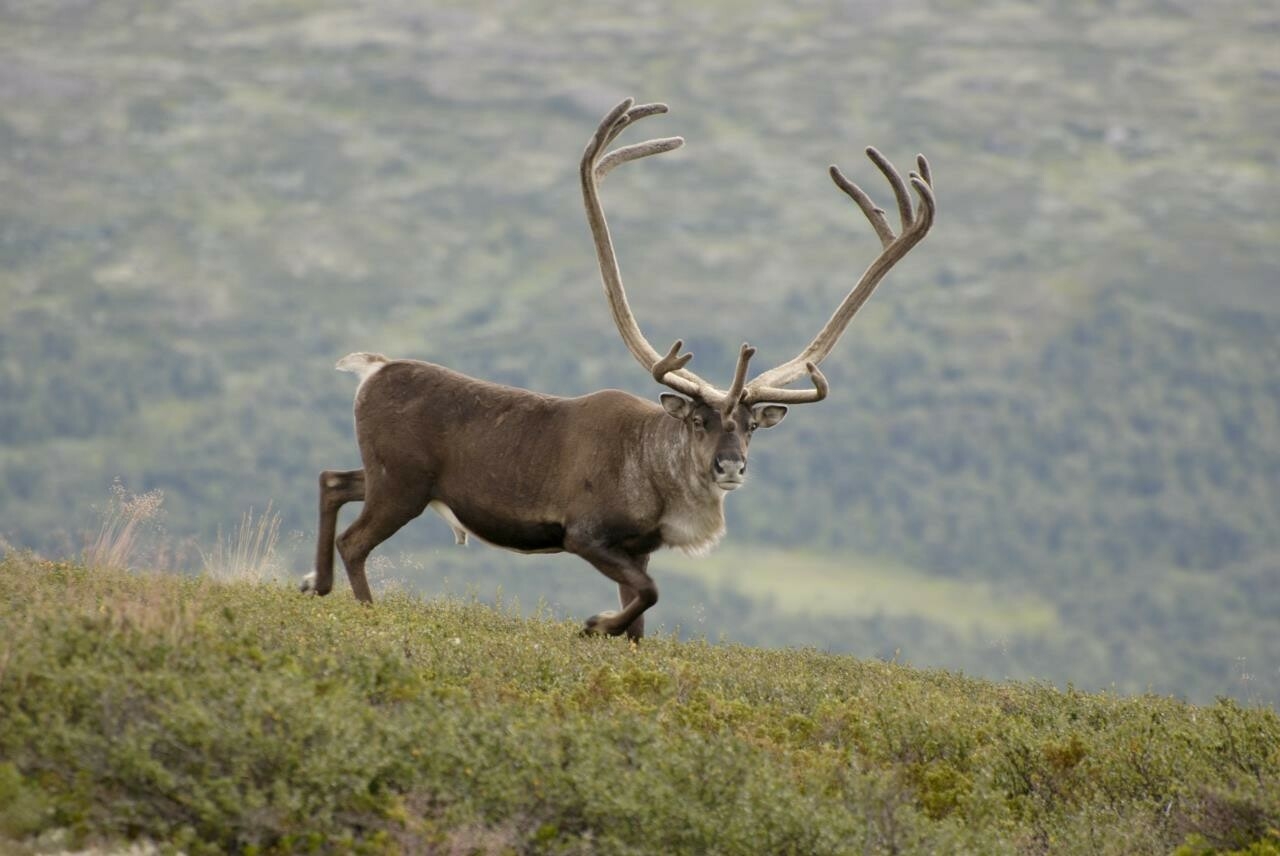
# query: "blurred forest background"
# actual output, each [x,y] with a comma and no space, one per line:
[1052,448]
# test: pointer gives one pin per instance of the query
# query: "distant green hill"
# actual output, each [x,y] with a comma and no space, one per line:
[1070,392]
[215,718]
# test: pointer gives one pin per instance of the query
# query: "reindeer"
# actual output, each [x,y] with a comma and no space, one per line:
[607,476]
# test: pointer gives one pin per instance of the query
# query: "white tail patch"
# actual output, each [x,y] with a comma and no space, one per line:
[362,364]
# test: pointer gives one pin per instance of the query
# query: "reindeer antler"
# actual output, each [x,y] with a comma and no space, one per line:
[669,369]
[915,225]
[595,165]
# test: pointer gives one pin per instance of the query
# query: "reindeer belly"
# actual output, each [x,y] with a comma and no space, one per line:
[523,536]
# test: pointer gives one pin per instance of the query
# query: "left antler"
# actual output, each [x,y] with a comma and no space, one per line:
[669,369]
[767,386]
[596,164]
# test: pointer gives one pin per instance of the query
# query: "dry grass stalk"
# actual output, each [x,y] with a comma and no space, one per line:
[250,553]
[124,520]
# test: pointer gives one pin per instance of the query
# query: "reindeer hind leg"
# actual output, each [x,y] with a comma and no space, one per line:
[336,489]
[387,507]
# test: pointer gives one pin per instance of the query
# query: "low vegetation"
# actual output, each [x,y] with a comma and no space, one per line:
[1067,393]
[217,717]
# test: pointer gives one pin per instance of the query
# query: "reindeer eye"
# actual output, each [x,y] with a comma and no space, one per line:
[698,422]
[752,426]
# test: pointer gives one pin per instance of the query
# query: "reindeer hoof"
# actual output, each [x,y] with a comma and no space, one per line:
[593,624]
[310,586]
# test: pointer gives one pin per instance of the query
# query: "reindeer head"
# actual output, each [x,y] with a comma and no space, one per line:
[720,436]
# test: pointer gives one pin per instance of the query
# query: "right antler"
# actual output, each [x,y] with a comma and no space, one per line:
[767,385]
[669,369]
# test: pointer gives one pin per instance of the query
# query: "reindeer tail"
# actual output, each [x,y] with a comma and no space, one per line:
[362,364]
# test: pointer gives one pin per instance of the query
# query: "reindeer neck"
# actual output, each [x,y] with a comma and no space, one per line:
[692,515]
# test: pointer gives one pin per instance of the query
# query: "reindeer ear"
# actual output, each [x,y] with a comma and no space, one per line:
[768,415]
[677,405]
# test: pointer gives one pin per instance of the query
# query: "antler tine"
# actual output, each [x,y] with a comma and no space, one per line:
[756,393]
[874,213]
[734,395]
[922,166]
[593,167]
[632,115]
[896,182]
[617,157]
[672,362]
[915,225]
[928,205]
[608,129]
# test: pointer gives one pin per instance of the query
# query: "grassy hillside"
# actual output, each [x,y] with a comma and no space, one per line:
[1067,395]
[247,718]
[1193,634]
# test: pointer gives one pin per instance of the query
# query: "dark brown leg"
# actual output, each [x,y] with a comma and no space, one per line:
[386,508]
[626,594]
[336,489]
[629,571]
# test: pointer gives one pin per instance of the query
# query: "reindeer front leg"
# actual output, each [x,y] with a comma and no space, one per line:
[626,594]
[630,572]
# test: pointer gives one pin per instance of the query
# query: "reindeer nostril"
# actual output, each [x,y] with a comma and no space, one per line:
[730,466]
